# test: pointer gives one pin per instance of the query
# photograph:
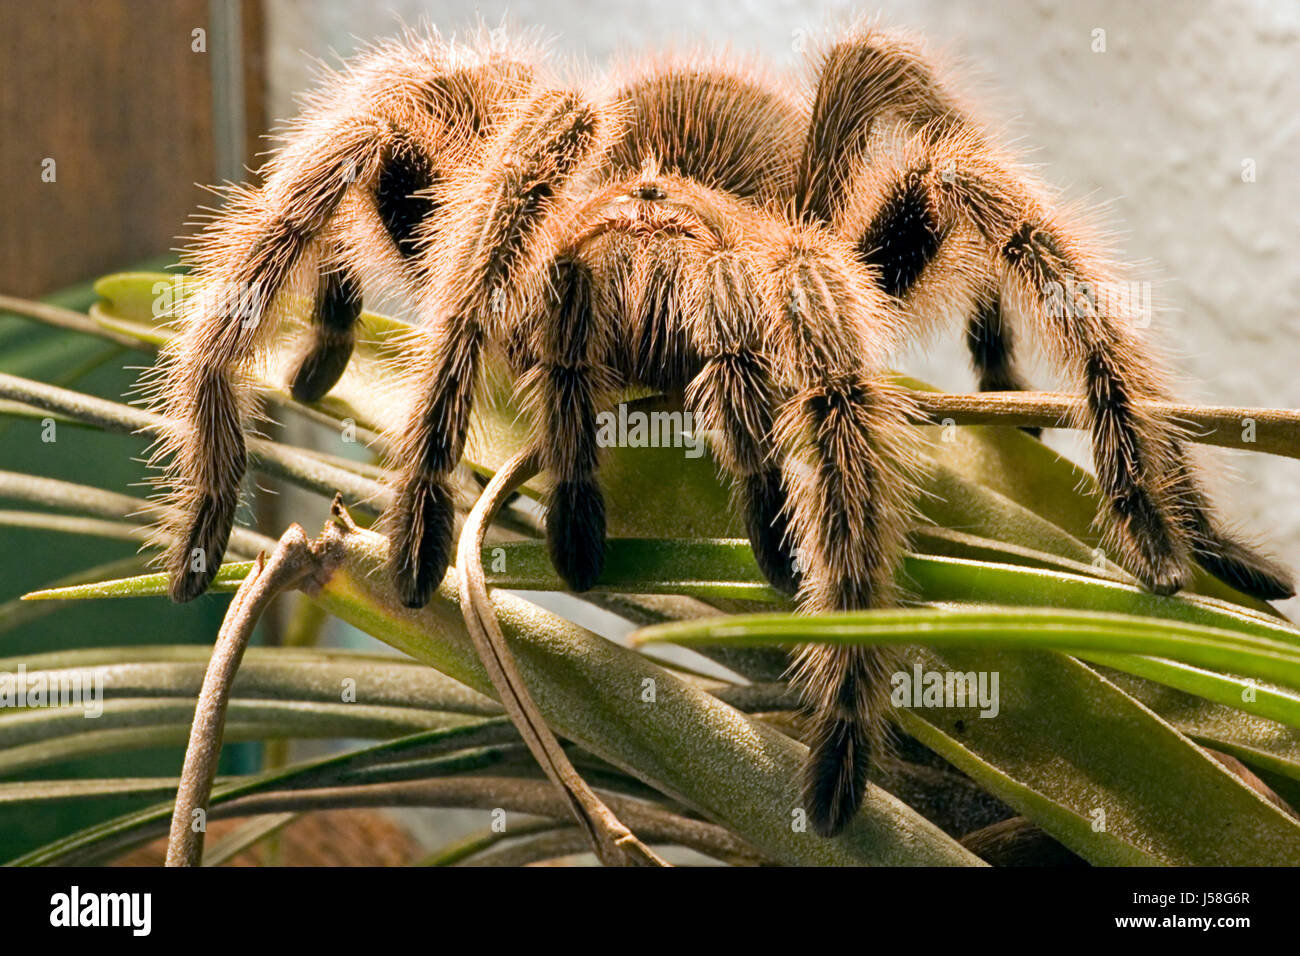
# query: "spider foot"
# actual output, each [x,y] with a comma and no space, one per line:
[1244,568]
[575,533]
[768,526]
[422,540]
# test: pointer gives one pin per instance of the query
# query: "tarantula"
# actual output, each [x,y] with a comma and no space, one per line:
[691,227]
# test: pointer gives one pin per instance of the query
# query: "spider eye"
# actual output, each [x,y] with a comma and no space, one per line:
[650,192]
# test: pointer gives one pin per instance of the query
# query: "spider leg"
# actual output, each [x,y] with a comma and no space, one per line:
[990,342]
[1219,551]
[734,399]
[251,253]
[567,384]
[1158,514]
[490,262]
[1063,287]
[770,299]
[698,325]
[334,314]
[1134,452]
[847,473]
[401,200]
[863,79]
[1160,511]
[867,79]
[414,102]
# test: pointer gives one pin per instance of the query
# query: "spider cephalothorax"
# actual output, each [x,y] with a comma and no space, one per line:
[687,227]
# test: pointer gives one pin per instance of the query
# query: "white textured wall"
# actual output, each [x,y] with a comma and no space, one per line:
[1158,126]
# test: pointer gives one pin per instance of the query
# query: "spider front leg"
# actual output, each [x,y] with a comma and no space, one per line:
[244,259]
[569,381]
[489,262]
[380,126]
[423,514]
[733,398]
[848,477]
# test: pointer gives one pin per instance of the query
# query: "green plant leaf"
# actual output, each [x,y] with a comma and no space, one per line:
[1094,769]
[735,770]
[1028,628]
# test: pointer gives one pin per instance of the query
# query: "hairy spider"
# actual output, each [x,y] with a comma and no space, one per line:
[693,228]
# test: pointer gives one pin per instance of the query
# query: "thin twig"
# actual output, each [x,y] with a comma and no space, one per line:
[612,842]
[62,318]
[68,319]
[1275,431]
[1270,430]
[293,561]
[293,464]
[88,500]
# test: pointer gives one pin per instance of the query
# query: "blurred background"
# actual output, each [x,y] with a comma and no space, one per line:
[1178,119]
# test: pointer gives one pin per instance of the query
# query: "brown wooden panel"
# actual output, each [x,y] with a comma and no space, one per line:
[112,91]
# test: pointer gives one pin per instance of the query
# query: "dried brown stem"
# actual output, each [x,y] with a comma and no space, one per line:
[1275,431]
[294,562]
[612,842]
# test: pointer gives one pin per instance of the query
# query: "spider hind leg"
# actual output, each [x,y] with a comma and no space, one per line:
[337,307]
[1133,451]
[991,344]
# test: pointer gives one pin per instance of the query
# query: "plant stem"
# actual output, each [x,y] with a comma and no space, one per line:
[612,842]
[293,561]
[295,465]
[69,319]
[1271,430]
[1274,431]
